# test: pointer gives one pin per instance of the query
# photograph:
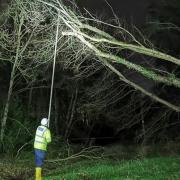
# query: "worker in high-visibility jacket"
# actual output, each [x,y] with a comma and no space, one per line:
[42,138]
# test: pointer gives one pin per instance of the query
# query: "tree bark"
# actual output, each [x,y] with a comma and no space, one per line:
[56,108]
[70,120]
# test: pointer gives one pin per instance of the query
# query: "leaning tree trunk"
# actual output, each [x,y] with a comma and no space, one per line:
[56,108]
[13,72]
[142,123]
[71,115]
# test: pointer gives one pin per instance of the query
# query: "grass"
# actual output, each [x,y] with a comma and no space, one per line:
[131,163]
[152,168]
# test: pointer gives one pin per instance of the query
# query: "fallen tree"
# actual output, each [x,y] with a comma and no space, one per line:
[79,39]
[95,38]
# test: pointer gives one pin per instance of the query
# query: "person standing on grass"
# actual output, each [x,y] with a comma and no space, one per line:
[42,138]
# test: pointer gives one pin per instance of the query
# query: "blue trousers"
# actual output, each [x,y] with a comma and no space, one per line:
[39,157]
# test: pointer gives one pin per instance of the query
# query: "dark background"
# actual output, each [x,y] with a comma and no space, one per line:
[95,118]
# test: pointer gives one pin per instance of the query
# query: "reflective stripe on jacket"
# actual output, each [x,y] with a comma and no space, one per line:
[42,138]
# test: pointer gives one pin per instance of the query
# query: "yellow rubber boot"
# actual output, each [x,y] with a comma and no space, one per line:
[38,173]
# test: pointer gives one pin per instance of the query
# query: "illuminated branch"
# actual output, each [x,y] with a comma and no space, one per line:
[94,42]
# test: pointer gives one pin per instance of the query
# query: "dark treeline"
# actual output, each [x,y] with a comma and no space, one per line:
[90,104]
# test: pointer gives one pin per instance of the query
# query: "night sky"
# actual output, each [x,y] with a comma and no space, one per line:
[130,10]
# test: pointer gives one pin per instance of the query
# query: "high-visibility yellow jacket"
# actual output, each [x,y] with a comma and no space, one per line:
[42,138]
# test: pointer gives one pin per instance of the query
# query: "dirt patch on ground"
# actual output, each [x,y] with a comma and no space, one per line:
[9,171]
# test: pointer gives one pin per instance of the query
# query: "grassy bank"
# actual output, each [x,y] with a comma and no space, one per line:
[118,163]
[154,168]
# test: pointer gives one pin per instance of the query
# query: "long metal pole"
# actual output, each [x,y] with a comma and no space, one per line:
[54,65]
